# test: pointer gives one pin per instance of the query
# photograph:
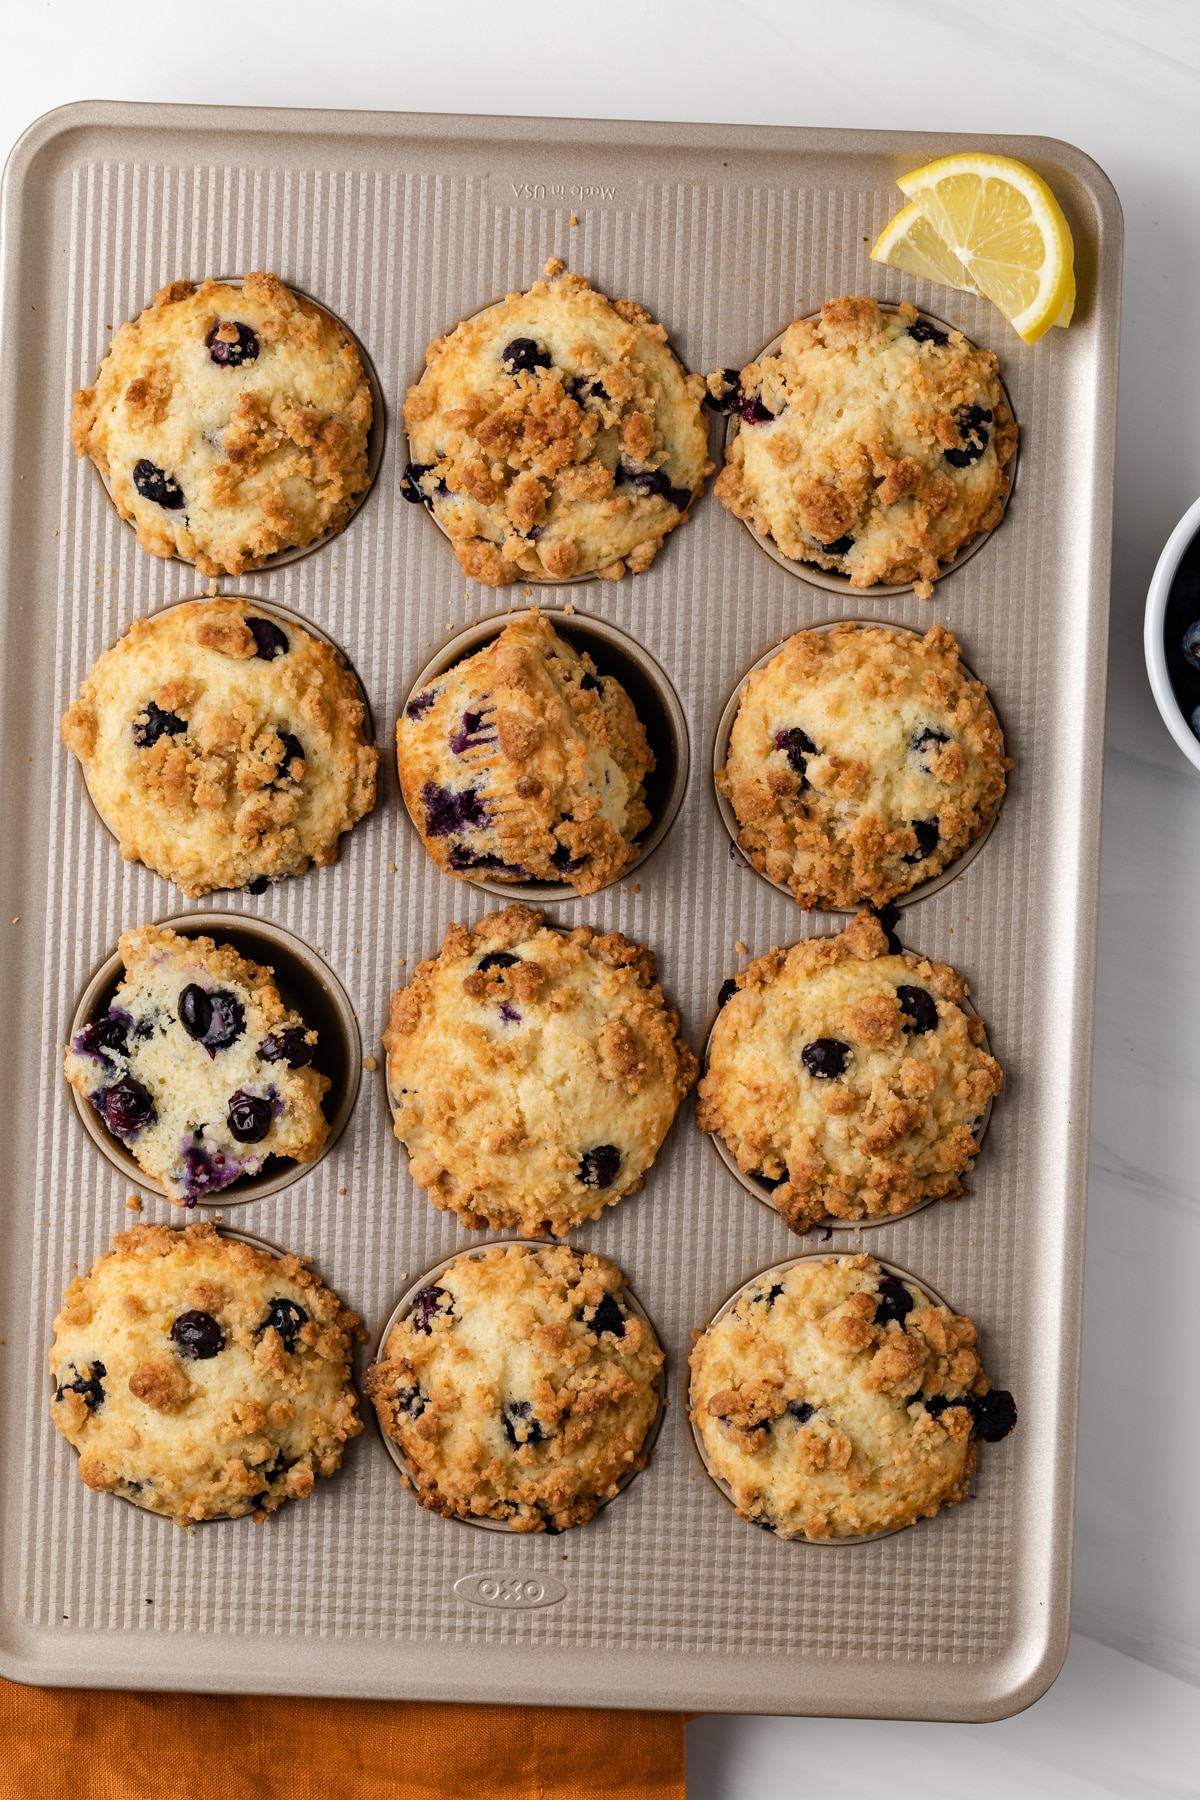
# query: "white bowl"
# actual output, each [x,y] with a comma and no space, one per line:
[1174,551]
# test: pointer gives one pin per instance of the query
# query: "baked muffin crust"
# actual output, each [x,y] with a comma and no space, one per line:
[862,762]
[223,748]
[521,1386]
[836,1400]
[533,1073]
[198,1067]
[521,763]
[200,1377]
[556,435]
[228,423]
[872,444]
[848,1078]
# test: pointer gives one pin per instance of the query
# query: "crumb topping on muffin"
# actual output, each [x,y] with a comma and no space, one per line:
[871,443]
[197,1067]
[221,748]
[862,762]
[201,1377]
[556,435]
[521,762]
[521,1386]
[534,1073]
[229,423]
[837,1399]
[848,1078]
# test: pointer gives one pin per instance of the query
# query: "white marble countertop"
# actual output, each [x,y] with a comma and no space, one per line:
[1123,82]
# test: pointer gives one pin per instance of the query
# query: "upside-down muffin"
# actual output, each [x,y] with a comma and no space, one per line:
[229,423]
[870,443]
[556,435]
[198,1068]
[862,762]
[533,1073]
[848,1078]
[222,749]
[521,1386]
[201,1377]
[521,762]
[835,1399]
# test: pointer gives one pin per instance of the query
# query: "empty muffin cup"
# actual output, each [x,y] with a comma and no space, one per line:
[828,1543]
[654,700]
[306,985]
[827,578]
[404,1307]
[720,755]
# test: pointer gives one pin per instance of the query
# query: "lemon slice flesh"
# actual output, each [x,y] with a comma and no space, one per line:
[993,227]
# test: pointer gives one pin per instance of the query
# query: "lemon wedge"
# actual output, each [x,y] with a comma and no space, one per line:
[986,225]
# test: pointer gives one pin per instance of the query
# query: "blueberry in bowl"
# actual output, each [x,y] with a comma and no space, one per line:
[1172,634]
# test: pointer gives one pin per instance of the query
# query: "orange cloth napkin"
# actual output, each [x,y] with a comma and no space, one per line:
[70,1744]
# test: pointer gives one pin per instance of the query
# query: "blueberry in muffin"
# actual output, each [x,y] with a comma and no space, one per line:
[533,1073]
[521,1386]
[862,762]
[222,748]
[198,1067]
[848,1078]
[836,1399]
[523,763]
[229,423]
[556,435]
[870,443]
[200,1377]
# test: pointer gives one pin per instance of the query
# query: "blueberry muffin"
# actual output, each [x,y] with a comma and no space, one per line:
[555,435]
[521,1386]
[200,1377]
[862,762]
[229,423]
[846,1076]
[836,1400]
[222,749]
[198,1067]
[872,444]
[522,763]
[533,1073]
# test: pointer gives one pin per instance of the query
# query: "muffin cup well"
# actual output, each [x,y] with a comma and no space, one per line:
[305,983]
[654,699]
[840,584]
[284,616]
[924,890]
[401,1311]
[376,440]
[763,1194]
[781,1268]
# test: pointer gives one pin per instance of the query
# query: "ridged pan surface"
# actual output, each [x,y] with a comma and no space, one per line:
[402,225]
